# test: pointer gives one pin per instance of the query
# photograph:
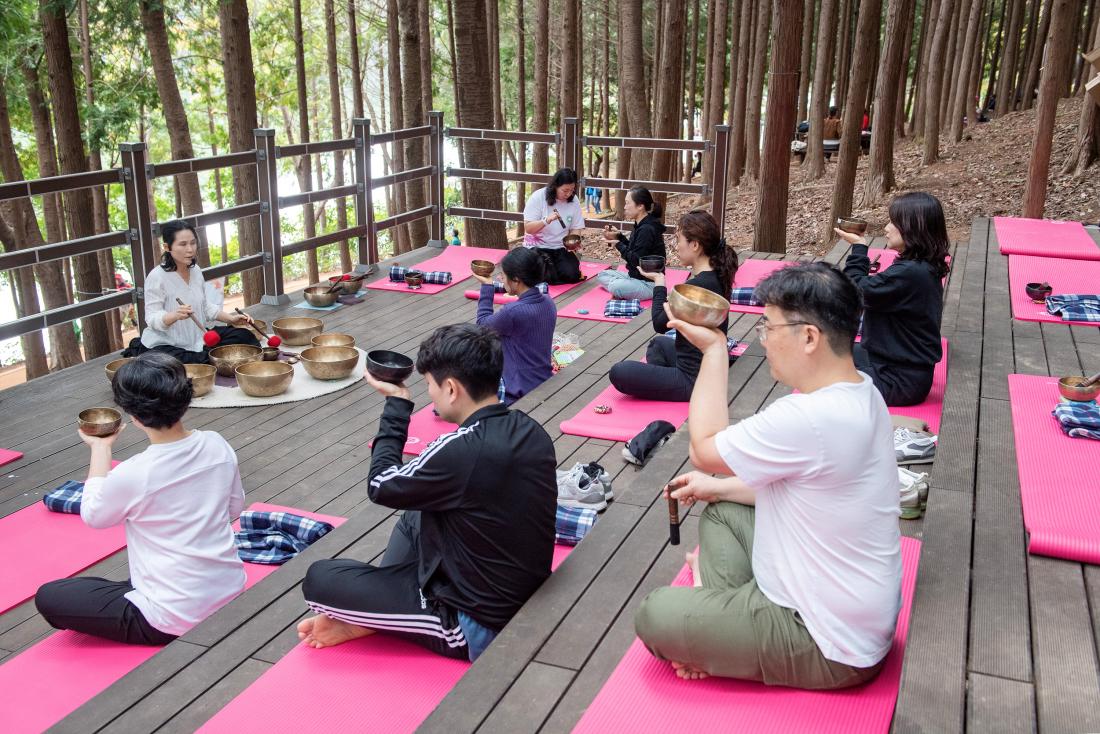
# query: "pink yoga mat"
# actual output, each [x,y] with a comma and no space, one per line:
[644,695]
[403,682]
[588,270]
[1058,486]
[931,410]
[594,300]
[750,273]
[627,418]
[1045,238]
[1065,276]
[455,260]
[49,680]
[7,456]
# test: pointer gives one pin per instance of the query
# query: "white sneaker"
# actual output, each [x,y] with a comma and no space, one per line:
[577,489]
[913,447]
[914,493]
[596,473]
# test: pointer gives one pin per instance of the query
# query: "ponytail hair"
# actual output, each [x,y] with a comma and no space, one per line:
[700,227]
[525,265]
[644,199]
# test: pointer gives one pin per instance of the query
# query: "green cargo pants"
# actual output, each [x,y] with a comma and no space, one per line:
[728,627]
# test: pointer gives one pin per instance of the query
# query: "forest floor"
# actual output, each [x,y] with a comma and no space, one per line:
[983,175]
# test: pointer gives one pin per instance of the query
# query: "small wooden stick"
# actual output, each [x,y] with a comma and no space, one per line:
[194,318]
[673,520]
[250,324]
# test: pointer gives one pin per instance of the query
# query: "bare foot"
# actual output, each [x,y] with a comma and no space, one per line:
[692,559]
[687,672]
[322,631]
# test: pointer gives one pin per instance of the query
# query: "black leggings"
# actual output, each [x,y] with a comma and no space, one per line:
[562,266]
[228,334]
[899,385]
[658,378]
[97,607]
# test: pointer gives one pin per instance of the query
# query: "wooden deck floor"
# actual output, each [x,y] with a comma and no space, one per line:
[999,640]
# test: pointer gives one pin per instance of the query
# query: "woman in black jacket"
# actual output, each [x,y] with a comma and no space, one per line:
[902,304]
[646,239]
[672,365]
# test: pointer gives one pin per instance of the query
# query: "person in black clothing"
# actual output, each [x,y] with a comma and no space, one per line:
[672,364]
[902,304]
[477,535]
[646,239]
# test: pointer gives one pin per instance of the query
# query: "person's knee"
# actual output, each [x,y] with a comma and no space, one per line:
[656,619]
[619,377]
[318,579]
[50,599]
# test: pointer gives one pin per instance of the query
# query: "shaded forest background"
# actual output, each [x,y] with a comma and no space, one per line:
[77,79]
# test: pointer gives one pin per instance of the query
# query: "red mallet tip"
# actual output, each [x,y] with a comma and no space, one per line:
[274,341]
[211,339]
[346,277]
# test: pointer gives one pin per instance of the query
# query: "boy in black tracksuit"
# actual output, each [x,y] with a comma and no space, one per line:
[477,535]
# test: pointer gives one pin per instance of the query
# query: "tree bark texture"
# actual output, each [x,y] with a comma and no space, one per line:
[1087,149]
[814,165]
[424,15]
[335,104]
[935,83]
[880,173]
[805,74]
[756,91]
[402,240]
[737,114]
[1006,90]
[540,154]
[670,79]
[570,69]
[304,164]
[1035,57]
[633,79]
[963,106]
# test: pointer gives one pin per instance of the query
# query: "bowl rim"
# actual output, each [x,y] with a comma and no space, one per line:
[80,416]
[289,368]
[304,358]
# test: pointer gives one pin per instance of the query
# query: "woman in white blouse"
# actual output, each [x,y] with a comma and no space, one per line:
[169,326]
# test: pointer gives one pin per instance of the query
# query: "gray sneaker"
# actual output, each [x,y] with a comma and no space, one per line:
[577,489]
[913,447]
[914,493]
[596,473]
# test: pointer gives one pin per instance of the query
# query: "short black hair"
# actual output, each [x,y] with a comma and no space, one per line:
[819,294]
[154,388]
[469,353]
[562,177]
[525,265]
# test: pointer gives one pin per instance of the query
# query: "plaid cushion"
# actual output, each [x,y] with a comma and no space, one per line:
[572,524]
[498,287]
[1080,420]
[623,309]
[276,537]
[1074,307]
[435,277]
[65,498]
[731,343]
[744,297]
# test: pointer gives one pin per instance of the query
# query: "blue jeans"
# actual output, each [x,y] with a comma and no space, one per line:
[621,285]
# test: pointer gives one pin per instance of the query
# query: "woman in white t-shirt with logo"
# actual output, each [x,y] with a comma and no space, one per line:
[551,213]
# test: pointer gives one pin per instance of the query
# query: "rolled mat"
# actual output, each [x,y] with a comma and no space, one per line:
[456,260]
[7,456]
[594,300]
[643,694]
[404,681]
[627,418]
[1065,276]
[1059,490]
[588,270]
[931,410]
[1045,238]
[51,679]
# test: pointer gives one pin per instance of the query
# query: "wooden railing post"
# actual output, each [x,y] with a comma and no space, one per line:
[267,176]
[719,183]
[569,144]
[435,159]
[143,247]
[364,201]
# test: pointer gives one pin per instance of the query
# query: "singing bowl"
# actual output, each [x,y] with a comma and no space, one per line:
[329,363]
[228,358]
[571,241]
[1073,388]
[270,354]
[854,226]
[698,306]
[484,268]
[388,366]
[333,339]
[347,287]
[318,295]
[202,377]
[414,279]
[1038,291]
[652,264]
[112,367]
[99,421]
[264,379]
[296,331]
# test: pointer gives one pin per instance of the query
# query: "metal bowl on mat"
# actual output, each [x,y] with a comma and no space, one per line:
[1074,388]
[652,264]
[112,367]
[270,354]
[484,268]
[99,421]
[572,242]
[333,339]
[296,331]
[264,379]
[851,225]
[228,358]
[388,366]
[414,279]
[698,306]
[318,295]
[1038,292]
[329,363]
[202,377]
[348,287]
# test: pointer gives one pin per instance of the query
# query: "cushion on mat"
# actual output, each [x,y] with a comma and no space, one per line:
[595,299]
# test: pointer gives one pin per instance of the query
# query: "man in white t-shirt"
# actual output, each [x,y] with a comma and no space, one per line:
[551,213]
[798,573]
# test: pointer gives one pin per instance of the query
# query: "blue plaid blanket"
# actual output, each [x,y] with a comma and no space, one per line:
[65,498]
[744,297]
[1075,307]
[623,309]
[276,537]
[435,277]
[1080,420]
[498,287]
[572,524]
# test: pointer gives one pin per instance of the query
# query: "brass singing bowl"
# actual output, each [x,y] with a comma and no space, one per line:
[318,295]
[347,287]
[260,325]
[851,225]
[264,379]
[112,367]
[698,306]
[329,363]
[296,331]
[228,358]
[99,421]
[484,268]
[1073,388]
[333,339]
[571,241]
[202,377]
[270,354]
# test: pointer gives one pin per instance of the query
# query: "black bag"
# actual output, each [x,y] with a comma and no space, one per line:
[652,437]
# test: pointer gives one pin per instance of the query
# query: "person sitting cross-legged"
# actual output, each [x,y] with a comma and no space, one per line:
[798,572]
[477,535]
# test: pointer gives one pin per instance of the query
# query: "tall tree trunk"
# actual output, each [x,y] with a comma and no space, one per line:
[1035,56]
[1087,149]
[717,62]
[1027,45]
[756,91]
[707,46]
[403,241]
[994,60]
[669,112]
[424,15]
[240,94]
[964,101]
[492,21]
[880,173]
[745,27]
[809,19]
[356,65]
[908,36]
[570,73]
[1006,90]
[218,184]
[632,79]
[1084,71]
[814,163]
[472,69]
[540,154]
[335,107]
[521,99]
[935,83]
[304,164]
[622,159]
[70,146]
[1051,86]
[691,83]
[412,107]
[770,233]
[843,50]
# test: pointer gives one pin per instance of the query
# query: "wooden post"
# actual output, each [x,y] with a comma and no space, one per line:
[720,152]
[569,144]
[364,202]
[267,176]
[435,160]
[143,247]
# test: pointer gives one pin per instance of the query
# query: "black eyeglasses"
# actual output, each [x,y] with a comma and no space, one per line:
[763,329]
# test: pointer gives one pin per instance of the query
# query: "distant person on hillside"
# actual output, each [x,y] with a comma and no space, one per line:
[551,213]
[831,129]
